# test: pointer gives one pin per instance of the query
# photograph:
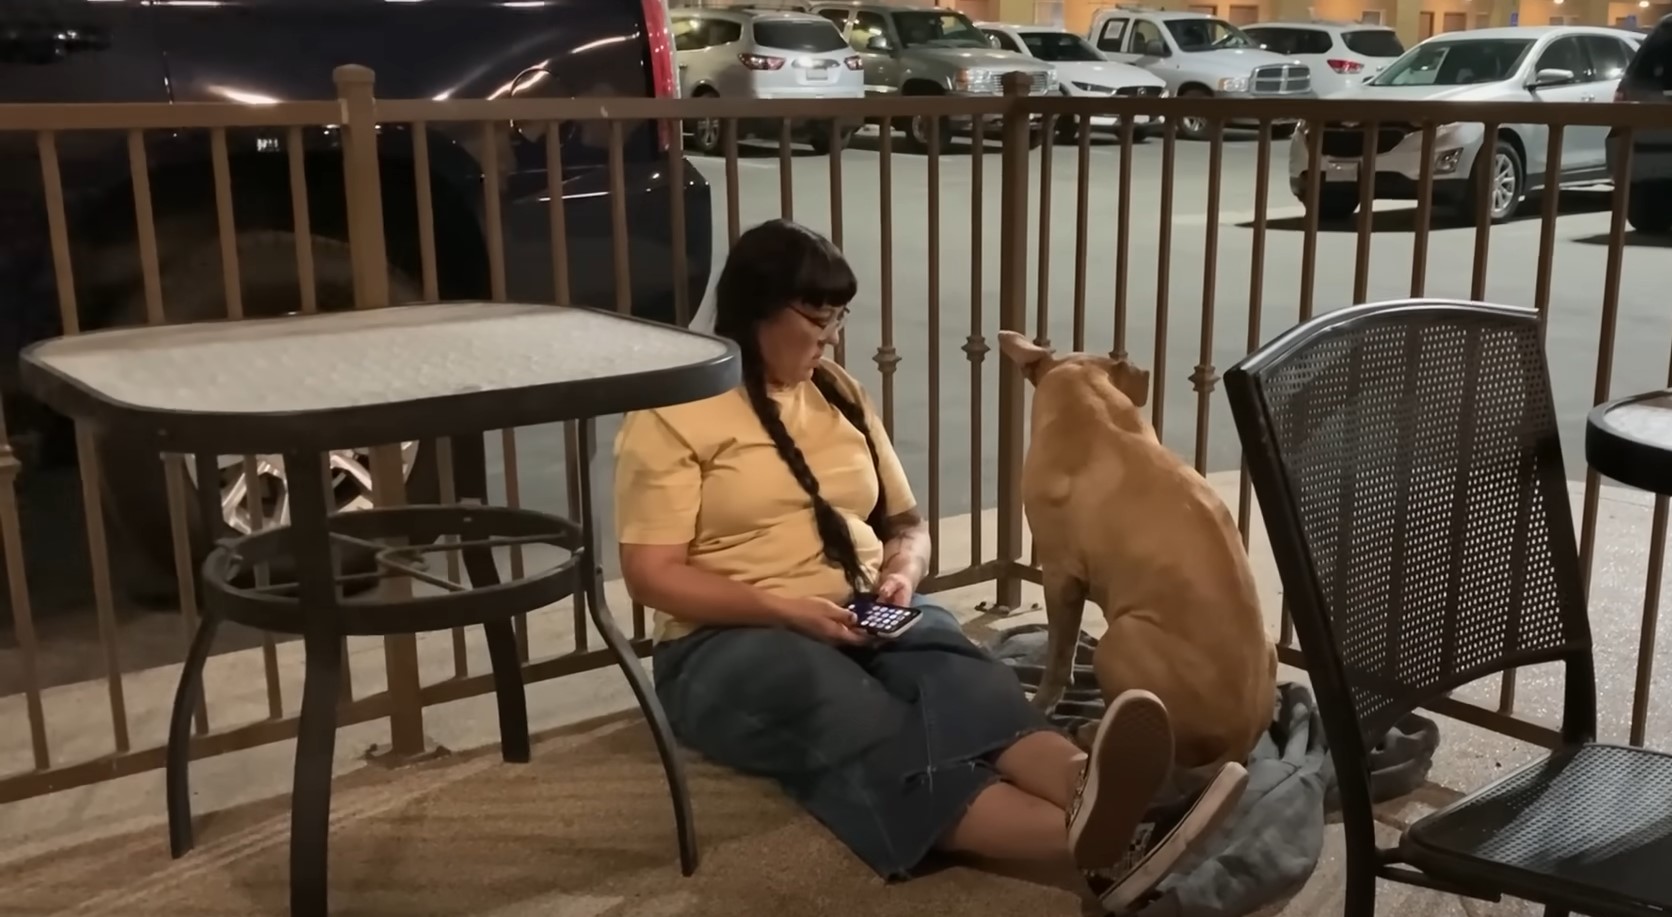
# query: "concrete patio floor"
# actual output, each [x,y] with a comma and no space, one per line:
[249,786]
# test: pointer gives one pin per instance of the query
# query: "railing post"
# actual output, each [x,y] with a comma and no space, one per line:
[1013,300]
[363,194]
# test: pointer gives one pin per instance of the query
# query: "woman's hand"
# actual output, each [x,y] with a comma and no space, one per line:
[905,559]
[896,588]
[823,620]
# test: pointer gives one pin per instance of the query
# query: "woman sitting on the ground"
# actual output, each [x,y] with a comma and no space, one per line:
[748,521]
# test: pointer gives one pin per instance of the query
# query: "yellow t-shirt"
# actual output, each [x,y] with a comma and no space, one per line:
[706,475]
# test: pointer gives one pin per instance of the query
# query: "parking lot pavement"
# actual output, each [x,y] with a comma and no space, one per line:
[900,276]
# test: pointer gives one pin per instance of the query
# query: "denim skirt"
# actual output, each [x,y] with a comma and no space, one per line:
[886,745]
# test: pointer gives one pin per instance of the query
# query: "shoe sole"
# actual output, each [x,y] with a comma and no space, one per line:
[1212,807]
[1133,770]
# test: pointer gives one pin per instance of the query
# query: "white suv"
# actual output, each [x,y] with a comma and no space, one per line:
[1082,72]
[1565,64]
[1338,53]
[758,54]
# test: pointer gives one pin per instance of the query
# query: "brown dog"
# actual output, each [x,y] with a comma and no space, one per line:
[1122,521]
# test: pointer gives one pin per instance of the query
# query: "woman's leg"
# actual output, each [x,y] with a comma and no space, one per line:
[1108,829]
[773,703]
[1007,823]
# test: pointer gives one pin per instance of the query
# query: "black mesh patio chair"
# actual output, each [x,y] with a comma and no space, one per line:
[1407,464]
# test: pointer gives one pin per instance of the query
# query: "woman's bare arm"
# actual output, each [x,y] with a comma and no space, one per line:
[908,547]
[660,576]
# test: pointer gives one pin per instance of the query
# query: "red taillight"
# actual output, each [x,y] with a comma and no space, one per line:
[854,63]
[1345,66]
[663,77]
[761,62]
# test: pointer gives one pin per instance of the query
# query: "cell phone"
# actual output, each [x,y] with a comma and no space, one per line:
[880,619]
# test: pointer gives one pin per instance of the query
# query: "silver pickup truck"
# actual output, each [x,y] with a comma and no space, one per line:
[912,50]
[1198,55]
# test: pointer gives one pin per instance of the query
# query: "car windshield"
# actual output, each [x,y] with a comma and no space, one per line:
[1059,46]
[938,29]
[1456,63]
[1207,34]
[810,35]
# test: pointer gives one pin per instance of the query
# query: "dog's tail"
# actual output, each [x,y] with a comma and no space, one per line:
[1062,629]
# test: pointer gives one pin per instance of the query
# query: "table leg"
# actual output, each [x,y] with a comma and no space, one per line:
[591,584]
[310,806]
[316,737]
[470,471]
[178,767]
[188,693]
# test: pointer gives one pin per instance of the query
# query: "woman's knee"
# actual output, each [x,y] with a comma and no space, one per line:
[768,699]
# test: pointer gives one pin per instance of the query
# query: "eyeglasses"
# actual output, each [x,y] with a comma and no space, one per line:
[830,323]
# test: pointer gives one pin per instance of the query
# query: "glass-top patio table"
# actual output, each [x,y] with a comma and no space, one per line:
[1630,440]
[303,386]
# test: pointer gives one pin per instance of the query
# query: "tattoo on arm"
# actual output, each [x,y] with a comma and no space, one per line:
[908,535]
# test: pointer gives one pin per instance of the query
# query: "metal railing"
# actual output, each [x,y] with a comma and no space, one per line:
[995,399]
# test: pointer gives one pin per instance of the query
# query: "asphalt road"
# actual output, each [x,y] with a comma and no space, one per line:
[886,235]
[892,257]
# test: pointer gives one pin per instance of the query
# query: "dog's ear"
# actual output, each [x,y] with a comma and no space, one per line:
[1133,382]
[1024,353]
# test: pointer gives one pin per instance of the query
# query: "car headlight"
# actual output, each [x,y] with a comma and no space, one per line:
[1094,88]
[976,81]
[1233,84]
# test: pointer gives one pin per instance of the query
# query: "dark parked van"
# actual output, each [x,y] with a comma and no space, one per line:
[260,51]
[1648,79]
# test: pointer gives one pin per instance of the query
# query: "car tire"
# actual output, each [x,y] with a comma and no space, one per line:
[132,477]
[826,139]
[1508,191]
[1191,127]
[708,135]
[1068,129]
[917,129]
[1336,203]
[1649,207]
[1283,131]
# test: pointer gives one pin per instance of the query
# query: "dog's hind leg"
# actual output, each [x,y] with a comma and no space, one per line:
[1065,604]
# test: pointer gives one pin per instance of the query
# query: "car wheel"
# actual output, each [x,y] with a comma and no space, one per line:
[708,135]
[917,128]
[826,139]
[1194,127]
[1068,129]
[133,480]
[1649,207]
[1336,203]
[1506,186]
[917,134]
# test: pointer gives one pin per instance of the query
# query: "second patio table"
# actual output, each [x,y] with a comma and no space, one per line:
[303,386]
[1630,440]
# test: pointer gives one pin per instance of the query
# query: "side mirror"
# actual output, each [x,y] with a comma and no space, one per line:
[1551,76]
[878,44]
[1155,47]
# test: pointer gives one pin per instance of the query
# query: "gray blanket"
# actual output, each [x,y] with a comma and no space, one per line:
[1271,844]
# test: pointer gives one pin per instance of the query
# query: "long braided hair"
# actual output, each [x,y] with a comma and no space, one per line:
[773,266]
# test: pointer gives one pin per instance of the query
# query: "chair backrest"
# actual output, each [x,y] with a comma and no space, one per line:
[1407,464]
